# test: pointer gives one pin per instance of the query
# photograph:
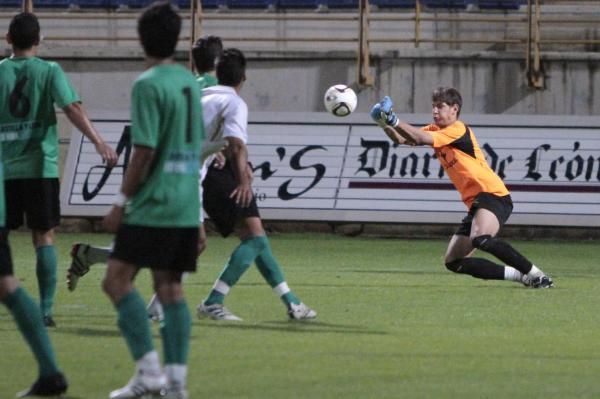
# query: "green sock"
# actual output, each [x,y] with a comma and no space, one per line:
[175,331]
[46,276]
[272,273]
[240,260]
[28,317]
[134,324]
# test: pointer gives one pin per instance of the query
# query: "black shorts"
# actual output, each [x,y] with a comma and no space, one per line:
[222,210]
[500,206]
[157,248]
[34,200]
[6,265]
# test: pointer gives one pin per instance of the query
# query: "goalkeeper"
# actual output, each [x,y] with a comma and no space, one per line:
[483,192]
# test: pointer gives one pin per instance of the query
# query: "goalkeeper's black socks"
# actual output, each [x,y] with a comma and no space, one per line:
[503,251]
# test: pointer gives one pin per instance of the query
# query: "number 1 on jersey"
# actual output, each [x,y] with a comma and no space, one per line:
[187,92]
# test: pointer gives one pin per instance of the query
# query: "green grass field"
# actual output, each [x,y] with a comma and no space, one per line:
[393,323]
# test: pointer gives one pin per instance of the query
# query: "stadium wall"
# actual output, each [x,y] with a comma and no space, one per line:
[490,82]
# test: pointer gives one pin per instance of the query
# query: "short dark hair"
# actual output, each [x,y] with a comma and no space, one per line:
[448,95]
[231,67]
[158,28]
[205,52]
[24,31]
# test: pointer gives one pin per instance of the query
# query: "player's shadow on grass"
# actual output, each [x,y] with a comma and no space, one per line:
[88,332]
[391,271]
[298,327]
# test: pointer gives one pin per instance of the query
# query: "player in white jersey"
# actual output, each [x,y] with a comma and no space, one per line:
[228,197]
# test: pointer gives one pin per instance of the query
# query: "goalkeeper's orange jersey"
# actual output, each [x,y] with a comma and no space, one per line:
[457,150]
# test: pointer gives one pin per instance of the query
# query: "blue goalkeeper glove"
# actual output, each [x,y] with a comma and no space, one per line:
[383,114]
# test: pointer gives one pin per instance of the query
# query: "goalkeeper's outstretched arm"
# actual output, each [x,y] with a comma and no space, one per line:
[398,131]
[395,136]
[411,134]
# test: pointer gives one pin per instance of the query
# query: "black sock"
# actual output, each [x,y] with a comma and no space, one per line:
[503,251]
[478,268]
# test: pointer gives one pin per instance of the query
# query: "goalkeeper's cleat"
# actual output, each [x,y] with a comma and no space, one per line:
[216,312]
[542,281]
[52,385]
[49,321]
[155,309]
[301,312]
[80,265]
[141,385]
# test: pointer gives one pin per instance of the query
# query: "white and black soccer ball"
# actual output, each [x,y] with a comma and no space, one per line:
[340,100]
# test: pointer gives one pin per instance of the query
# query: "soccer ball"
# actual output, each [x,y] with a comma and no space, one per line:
[340,100]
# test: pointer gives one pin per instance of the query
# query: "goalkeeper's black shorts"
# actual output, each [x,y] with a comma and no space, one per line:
[217,186]
[500,206]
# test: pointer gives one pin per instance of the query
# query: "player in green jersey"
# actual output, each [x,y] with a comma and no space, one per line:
[29,89]
[156,214]
[205,52]
[28,317]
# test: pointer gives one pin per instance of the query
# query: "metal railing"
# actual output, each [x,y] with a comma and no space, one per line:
[529,30]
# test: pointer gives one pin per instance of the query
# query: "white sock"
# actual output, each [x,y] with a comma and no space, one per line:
[149,363]
[281,289]
[535,272]
[221,287]
[176,375]
[512,274]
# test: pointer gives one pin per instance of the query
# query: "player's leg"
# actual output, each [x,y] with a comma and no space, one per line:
[271,271]
[458,260]
[240,260]
[29,320]
[45,268]
[154,308]
[226,215]
[175,330]
[131,310]
[180,256]
[485,226]
[83,256]
[37,199]
[42,210]
[458,257]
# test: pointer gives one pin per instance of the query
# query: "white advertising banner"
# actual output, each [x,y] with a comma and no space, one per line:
[313,166]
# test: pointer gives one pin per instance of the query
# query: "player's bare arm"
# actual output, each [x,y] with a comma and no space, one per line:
[395,136]
[238,155]
[201,239]
[136,174]
[212,147]
[412,134]
[78,117]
